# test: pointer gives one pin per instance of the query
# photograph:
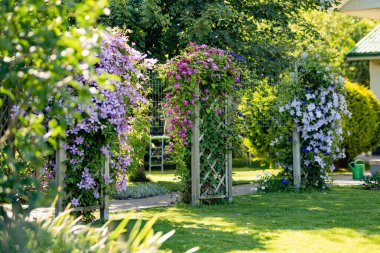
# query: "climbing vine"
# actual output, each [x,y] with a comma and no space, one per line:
[209,77]
[314,104]
[104,126]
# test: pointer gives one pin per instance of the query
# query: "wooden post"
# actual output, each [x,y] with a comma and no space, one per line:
[228,154]
[150,155]
[296,159]
[60,171]
[12,155]
[296,146]
[195,157]
[104,207]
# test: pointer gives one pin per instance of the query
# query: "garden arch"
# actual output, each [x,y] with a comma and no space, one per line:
[211,174]
[202,83]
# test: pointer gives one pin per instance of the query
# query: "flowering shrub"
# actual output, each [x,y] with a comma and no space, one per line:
[314,105]
[273,183]
[106,123]
[206,76]
[372,182]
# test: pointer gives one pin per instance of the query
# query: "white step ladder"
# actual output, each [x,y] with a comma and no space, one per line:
[157,151]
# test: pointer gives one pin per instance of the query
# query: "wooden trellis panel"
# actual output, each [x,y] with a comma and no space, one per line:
[61,159]
[211,173]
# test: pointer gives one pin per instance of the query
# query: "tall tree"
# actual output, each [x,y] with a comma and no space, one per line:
[260,30]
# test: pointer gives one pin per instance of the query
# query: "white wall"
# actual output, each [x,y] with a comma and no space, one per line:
[374,70]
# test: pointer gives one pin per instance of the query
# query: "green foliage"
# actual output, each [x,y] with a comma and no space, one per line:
[66,234]
[181,156]
[139,138]
[41,52]
[260,106]
[372,182]
[364,125]
[261,31]
[141,190]
[338,33]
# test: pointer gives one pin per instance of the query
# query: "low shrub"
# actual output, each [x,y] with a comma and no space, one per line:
[139,191]
[362,130]
[372,182]
[274,183]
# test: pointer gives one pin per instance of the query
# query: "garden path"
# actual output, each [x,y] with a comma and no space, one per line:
[171,198]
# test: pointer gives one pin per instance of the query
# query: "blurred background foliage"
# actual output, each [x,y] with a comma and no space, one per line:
[337,34]
[364,125]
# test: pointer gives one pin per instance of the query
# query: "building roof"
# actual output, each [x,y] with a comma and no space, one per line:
[361,8]
[367,48]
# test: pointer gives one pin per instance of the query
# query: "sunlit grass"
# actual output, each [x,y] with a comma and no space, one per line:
[247,175]
[166,179]
[345,219]
[243,172]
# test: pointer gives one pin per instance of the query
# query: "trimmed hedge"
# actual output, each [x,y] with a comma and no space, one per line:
[364,125]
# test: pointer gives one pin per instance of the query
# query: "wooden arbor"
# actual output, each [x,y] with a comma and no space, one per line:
[211,169]
[61,159]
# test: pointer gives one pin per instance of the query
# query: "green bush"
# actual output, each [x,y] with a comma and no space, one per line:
[139,138]
[364,124]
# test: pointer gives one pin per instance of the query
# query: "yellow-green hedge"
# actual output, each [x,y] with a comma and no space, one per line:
[364,125]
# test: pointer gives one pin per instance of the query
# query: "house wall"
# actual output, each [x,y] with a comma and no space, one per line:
[374,71]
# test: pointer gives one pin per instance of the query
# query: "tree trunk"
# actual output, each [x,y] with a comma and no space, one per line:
[141,172]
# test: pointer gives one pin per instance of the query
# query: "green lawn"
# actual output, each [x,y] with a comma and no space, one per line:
[345,219]
[242,173]
[166,179]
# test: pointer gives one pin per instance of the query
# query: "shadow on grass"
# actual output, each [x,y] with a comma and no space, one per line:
[343,207]
[245,224]
[189,235]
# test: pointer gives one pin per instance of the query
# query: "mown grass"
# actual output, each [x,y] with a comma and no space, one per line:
[243,172]
[166,179]
[345,219]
